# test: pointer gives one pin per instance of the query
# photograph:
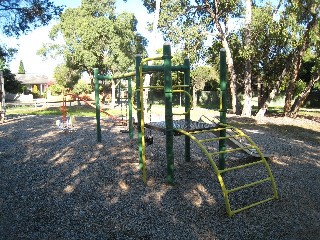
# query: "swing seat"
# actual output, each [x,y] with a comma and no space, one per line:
[148,139]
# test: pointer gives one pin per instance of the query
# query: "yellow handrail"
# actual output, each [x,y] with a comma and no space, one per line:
[143,157]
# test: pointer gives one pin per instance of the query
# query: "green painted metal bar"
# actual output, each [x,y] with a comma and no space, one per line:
[160,68]
[125,75]
[131,133]
[187,106]
[168,111]
[138,61]
[223,110]
[104,77]
[96,90]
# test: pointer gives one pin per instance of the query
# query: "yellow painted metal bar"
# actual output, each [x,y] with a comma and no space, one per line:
[215,168]
[241,166]
[180,86]
[143,157]
[211,130]
[218,138]
[251,205]
[132,100]
[154,87]
[248,185]
[232,150]
[225,191]
[274,187]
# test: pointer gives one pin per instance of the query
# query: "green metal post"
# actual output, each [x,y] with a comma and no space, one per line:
[138,62]
[187,107]
[130,108]
[223,104]
[168,111]
[96,90]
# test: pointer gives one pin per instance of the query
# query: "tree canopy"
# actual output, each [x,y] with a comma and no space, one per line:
[267,43]
[95,37]
[18,17]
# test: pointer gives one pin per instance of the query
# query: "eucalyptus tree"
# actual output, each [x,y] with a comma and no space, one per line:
[66,76]
[189,24]
[304,28]
[271,53]
[96,37]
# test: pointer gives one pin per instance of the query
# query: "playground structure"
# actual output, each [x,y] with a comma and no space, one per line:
[65,124]
[192,130]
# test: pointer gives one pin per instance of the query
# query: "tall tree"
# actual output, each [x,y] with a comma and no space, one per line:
[95,37]
[21,69]
[246,111]
[65,76]
[304,20]
[190,23]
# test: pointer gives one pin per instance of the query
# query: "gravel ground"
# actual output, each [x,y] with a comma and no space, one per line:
[56,185]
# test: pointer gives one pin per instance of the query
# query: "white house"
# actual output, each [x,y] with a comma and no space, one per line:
[30,80]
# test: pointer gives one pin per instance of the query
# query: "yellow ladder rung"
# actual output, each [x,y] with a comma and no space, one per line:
[251,205]
[233,150]
[241,166]
[209,130]
[220,138]
[248,185]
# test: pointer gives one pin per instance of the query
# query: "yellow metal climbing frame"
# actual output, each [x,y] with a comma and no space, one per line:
[221,172]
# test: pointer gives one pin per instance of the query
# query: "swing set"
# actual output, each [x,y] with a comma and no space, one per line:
[196,131]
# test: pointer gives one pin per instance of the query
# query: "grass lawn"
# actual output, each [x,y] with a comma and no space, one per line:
[87,111]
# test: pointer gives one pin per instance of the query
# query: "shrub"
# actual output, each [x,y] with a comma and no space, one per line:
[56,89]
[81,88]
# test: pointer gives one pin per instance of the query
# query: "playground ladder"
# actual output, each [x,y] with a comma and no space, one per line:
[221,173]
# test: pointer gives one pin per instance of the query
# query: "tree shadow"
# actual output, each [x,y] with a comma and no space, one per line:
[58,186]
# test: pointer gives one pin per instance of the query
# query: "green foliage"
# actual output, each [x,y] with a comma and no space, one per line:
[19,17]
[11,85]
[65,76]
[202,75]
[21,69]
[56,89]
[96,37]
[82,87]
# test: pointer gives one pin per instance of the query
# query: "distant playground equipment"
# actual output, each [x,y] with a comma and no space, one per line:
[65,124]
[198,131]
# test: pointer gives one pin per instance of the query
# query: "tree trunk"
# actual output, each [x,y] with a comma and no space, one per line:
[194,97]
[291,84]
[223,36]
[301,49]
[267,100]
[113,93]
[246,111]
[259,91]
[233,78]
[300,100]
